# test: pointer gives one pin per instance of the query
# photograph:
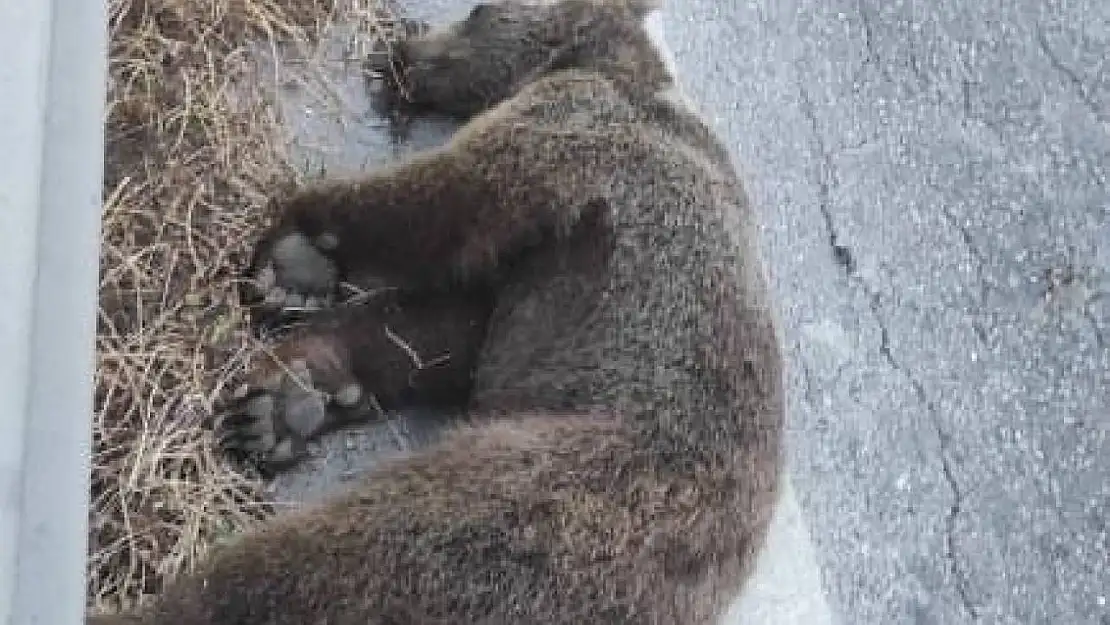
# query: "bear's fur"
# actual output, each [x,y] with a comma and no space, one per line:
[623,454]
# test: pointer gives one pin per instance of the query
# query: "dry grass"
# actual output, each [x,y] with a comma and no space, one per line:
[194,150]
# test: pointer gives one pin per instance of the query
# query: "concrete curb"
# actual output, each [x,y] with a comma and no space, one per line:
[51,129]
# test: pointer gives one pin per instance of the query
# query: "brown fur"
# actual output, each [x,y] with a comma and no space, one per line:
[411,351]
[627,403]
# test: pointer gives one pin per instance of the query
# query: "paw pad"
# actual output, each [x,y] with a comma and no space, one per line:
[272,420]
[297,274]
[349,396]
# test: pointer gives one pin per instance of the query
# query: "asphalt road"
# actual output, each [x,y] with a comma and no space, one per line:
[934,181]
[933,178]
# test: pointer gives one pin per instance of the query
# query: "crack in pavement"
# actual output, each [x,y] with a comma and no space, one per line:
[978,259]
[1096,325]
[811,394]
[1072,77]
[965,234]
[842,256]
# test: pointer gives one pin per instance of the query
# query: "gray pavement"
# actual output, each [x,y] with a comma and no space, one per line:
[938,219]
[933,178]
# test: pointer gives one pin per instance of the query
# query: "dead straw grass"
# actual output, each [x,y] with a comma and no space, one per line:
[194,150]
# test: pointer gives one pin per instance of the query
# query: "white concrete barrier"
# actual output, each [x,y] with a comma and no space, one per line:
[52,77]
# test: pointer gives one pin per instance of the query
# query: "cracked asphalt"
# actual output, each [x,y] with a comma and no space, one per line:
[934,184]
[933,181]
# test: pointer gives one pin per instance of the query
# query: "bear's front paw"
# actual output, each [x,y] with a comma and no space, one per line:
[293,273]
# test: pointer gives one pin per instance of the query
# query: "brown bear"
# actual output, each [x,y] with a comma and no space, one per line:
[584,256]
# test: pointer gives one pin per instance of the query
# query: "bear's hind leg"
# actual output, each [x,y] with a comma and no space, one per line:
[348,365]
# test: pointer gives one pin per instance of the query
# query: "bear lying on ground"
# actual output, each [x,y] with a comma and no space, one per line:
[584,253]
